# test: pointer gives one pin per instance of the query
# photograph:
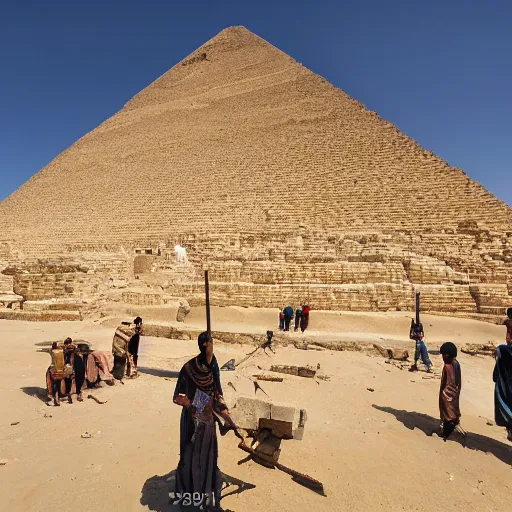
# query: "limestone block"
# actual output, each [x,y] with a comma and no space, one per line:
[254,413]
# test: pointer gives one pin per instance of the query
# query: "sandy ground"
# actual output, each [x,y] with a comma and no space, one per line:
[372,450]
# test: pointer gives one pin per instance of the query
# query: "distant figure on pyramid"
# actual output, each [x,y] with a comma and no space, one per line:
[288,316]
[281,321]
[417,334]
[304,317]
[298,314]
[449,392]
[123,358]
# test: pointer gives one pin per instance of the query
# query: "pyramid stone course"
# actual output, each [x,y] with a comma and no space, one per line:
[285,186]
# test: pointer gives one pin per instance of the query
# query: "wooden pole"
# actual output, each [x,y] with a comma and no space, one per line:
[417,308]
[207,293]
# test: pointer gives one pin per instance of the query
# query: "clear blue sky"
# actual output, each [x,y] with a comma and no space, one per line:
[440,70]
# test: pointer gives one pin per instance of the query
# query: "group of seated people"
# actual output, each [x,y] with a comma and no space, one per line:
[75,367]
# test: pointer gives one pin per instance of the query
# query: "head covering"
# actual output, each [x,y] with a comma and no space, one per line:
[509,313]
[67,341]
[202,338]
[449,349]
[138,320]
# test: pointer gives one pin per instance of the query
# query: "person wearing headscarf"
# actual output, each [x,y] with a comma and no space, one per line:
[122,336]
[502,376]
[199,392]
[508,324]
[304,317]
[449,392]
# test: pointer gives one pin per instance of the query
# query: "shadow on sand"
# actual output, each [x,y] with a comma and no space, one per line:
[36,392]
[170,374]
[155,493]
[429,425]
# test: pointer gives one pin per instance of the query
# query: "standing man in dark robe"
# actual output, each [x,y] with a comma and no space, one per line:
[133,349]
[502,376]
[199,392]
[298,314]
[508,324]
[449,392]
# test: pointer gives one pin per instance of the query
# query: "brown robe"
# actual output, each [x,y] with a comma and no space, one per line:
[449,392]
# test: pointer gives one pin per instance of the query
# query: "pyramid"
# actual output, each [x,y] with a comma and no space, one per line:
[289,189]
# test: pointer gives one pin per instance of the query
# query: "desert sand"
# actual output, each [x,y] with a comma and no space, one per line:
[372,450]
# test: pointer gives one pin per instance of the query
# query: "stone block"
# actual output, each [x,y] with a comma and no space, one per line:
[254,413]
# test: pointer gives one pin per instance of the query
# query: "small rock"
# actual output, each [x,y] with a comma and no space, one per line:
[86,435]
[3,462]
[15,423]
[48,416]
[371,390]
[490,423]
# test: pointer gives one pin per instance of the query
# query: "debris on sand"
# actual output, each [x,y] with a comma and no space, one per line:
[3,462]
[300,371]
[473,349]
[14,423]
[270,378]
[303,345]
[371,390]
[257,386]
[86,435]
[97,400]
[232,385]
[397,354]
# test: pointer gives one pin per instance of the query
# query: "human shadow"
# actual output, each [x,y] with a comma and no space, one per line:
[171,374]
[429,425]
[36,392]
[157,489]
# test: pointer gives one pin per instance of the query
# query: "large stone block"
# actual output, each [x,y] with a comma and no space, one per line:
[254,413]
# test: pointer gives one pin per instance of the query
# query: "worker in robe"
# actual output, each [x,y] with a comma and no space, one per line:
[56,374]
[122,336]
[281,320]
[199,392]
[304,317]
[133,349]
[449,392]
[502,377]
[508,325]
[298,314]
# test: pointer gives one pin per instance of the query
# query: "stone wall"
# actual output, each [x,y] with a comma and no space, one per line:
[83,276]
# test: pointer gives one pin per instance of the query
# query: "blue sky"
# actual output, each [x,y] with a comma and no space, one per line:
[440,70]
